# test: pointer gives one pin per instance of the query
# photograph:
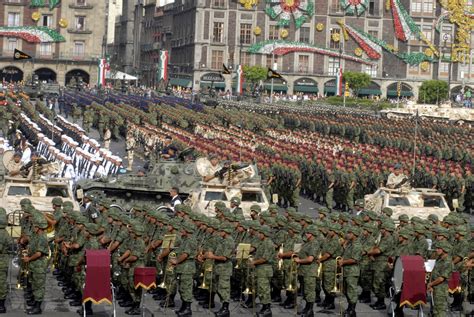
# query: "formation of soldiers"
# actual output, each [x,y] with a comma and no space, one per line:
[291,255]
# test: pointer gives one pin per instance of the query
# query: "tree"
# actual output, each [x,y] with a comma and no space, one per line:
[254,74]
[356,81]
[433,91]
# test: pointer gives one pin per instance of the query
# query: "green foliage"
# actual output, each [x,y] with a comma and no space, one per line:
[433,91]
[254,74]
[356,80]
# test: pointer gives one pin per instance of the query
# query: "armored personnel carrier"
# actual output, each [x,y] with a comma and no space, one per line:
[443,112]
[419,202]
[40,190]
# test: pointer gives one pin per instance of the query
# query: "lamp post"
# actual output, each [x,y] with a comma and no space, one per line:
[446,37]
[275,66]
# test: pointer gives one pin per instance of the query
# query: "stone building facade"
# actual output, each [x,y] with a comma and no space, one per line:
[56,62]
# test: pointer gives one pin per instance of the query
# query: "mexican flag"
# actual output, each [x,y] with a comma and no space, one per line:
[163,66]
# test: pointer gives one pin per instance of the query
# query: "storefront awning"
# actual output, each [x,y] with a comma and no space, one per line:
[181,82]
[368,92]
[276,87]
[214,85]
[393,93]
[305,88]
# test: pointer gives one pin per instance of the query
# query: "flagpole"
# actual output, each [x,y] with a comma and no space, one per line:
[273,61]
[414,143]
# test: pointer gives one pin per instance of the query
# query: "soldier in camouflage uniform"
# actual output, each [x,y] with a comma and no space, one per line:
[438,284]
[5,242]
[460,251]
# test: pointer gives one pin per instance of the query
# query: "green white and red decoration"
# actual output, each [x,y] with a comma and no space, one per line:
[163,66]
[103,69]
[371,48]
[356,7]
[240,80]
[339,77]
[402,21]
[32,34]
[279,47]
[40,3]
[285,10]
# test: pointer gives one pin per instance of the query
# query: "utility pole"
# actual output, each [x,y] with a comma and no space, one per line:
[446,37]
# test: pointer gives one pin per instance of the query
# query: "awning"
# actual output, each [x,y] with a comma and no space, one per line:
[330,89]
[181,82]
[366,91]
[393,93]
[215,85]
[276,87]
[119,75]
[305,88]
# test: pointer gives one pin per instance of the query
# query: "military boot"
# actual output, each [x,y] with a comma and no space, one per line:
[31,302]
[3,310]
[365,297]
[380,304]
[249,303]
[88,306]
[276,295]
[35,310]
[168,302]
[224,311]
[324,302]
[305,309]
[457,302]
[186,311]
[134,310]
[210,304]
[205,298]
[266,311]
[289,302]
[309,310]
[330,304]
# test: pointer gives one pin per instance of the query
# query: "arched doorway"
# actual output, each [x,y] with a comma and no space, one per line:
[11,74]
[330,88]
[459,90]
[305,85]
[79,75]
[373,89]
[46,74]
[405,91]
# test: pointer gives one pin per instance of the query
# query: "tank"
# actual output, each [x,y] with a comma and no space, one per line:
[443,112]
[40,190]
[419,202]
[33,88]
[152,188]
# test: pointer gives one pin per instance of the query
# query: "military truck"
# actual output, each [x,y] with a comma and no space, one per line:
[419,202]
[40,191]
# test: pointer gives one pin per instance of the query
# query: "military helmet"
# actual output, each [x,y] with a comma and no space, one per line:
[404,218]
[433,218]
[179,208]
[445,245]
[388,211]
[25,202]
[265,230]
[359,203]
[40,221]
[419,228]
[324,211]
[355,230]
[68,204]
[219,205]
[405,233]
[235,200]
[295,227]
[227,228]
[388,226]
[93,228]
[312,229]
[138,229]
[255,208]
[57,201]
[273,207]
[187,226]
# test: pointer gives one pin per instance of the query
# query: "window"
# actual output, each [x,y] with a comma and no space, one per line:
[245,33]
[47,20]
[273,32]
[12,43]
[371,7]
[46,49]
[333,66]
[304,34]
[80,23]
[336,6]
[79,48]
[371,70]
[443,67]
[428,6]
[246,59]
[81,2]
[447,31]
[332,43]
[19,191]
[13,19]
[56,191]
[270,63]
[218,32]
[217,59]
[252,197]
[303,64]
[218,3]
[427,30]
[374,33]
[215,196]
[416,6]
[413,36]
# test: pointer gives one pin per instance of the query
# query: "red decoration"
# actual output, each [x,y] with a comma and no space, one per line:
[289,5]
[400,34]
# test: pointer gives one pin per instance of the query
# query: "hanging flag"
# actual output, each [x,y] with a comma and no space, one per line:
[17,55]
[225,70]
[53,4]
[240,80]
[103,67]
[339,82]
[163,66]
[273,74]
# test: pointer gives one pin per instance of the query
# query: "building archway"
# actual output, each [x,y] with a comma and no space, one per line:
[11,74]
[373,89]
[46,74]
[330,87]
[405,91]
[458,89]
[79,75]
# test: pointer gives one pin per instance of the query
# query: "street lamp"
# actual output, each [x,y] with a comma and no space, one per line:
[446,37]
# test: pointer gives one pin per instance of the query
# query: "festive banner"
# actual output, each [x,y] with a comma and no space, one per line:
[32,34]
[18,55]
[414,287]
[372,49]
[163,66]
[339,82]
[240,80]
[454,283]
[97,288]
[103,68]
[285,11]
[53,4]
[273,74]
[144,277]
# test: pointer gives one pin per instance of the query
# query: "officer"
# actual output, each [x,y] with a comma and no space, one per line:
[235,206]
[306,259]
[223,267]
[185,267]
[5,242]
[438,284]
[460,251]
[350,264]
[37,262]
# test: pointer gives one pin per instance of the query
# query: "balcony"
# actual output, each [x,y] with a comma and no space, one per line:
[81,6]
[79,31]
[15,2]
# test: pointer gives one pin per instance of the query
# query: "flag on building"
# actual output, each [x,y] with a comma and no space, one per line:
[339,82]
[18,55]
[163,66]
[225,70]
[103,68]
[273,74]
[240,80]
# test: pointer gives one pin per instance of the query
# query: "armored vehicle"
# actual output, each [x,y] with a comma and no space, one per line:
[40,190]
[419,202]
[239,180]
[33,88]
[152,188]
